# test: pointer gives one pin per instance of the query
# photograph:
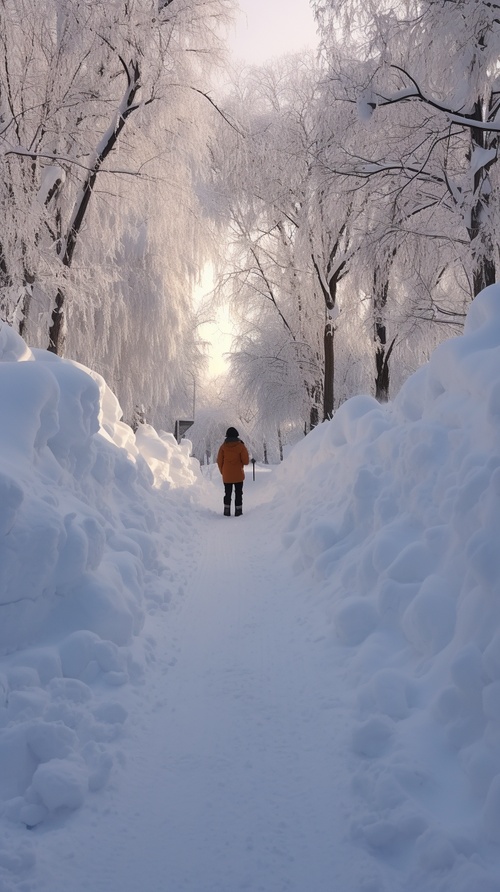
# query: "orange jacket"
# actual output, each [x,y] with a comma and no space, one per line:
[232,455]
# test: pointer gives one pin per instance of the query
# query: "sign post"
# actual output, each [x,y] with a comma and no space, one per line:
[181,427]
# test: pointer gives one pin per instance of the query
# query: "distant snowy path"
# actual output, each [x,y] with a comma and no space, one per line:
[232,780]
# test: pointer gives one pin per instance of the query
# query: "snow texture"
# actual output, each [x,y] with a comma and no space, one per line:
[85,537]
[306,697]
[409,576]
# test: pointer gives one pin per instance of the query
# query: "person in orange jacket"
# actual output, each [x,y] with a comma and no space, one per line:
[231,458]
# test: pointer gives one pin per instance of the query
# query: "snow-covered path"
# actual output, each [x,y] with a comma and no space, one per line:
[313,701]
[231,780]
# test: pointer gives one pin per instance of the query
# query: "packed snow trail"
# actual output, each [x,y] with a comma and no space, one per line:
[230,780]
[313,701]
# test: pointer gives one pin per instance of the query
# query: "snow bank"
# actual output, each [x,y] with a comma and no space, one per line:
[88,516]
[397,527]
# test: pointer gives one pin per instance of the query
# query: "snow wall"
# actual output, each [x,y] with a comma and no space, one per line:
[398,525]
[76,506]
[89,513]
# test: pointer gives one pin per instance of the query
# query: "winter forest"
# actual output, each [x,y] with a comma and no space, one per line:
[301,694]
[345,200]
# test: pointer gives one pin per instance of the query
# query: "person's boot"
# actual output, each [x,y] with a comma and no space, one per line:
[238,511]
[227,510]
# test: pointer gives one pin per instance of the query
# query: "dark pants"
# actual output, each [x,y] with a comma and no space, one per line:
[238,494]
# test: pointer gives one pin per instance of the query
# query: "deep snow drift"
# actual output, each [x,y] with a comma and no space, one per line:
[85,545]
[389,516]
[396,524]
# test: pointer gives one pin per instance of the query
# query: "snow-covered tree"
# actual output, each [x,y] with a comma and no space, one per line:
[261,183]
[105,115]
[73,75]
[430,72]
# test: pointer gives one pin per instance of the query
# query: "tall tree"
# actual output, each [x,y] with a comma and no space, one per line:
[73,76]
[437,63]
[262,183]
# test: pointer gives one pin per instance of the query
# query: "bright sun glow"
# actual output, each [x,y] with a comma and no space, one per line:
[265,29]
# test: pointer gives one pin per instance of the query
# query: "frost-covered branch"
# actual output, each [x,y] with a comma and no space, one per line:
[471,120]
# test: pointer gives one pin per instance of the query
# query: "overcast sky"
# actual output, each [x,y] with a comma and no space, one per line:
[269,28]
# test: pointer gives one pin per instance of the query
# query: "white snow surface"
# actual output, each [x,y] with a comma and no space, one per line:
[302,699]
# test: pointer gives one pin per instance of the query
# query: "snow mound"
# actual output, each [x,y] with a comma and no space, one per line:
[398,520]
[88,513]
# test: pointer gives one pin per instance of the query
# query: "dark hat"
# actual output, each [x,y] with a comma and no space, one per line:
[232,433]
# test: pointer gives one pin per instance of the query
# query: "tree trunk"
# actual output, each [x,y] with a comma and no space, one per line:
[328,388]
[315,407]
[328,284]
[25,304]
[484,275]
[382,357]
[483,250]
[107,144]
[382,353]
